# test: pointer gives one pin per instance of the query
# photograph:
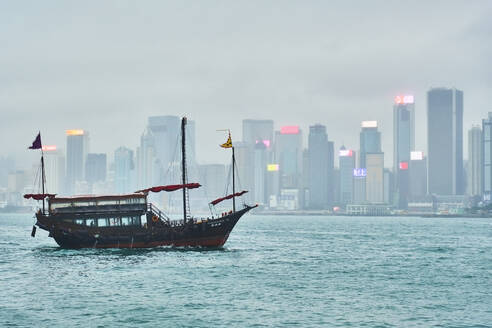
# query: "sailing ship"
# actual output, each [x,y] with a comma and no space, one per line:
[131,221]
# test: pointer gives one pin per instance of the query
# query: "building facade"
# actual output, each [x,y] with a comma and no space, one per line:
[417,175]
[77,149]
[474,180]
[375,178]
[445,141]
[403,144]
[487,157]
[124,170]
[346,164]
[370,141]
[318,167]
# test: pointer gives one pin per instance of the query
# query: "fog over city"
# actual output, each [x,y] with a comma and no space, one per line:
[107,66]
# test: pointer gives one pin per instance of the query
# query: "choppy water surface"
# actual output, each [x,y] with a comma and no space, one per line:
[273,272]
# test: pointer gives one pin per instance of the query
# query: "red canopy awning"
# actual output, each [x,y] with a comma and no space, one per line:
[237,194]
[171,187]
[39,196]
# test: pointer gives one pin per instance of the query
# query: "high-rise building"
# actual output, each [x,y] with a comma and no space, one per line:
[148,166]
[213,180]
[288,154]
[159,154]
[346,160]
[95,169]
[417,175]
[255,131]
[359,175]
[403,144]
[7,165]
[245,169]
[388,186]
[54,165]
[445,141]
[273,184]
[487,157]
[124,169]
[318,167]
[258,137]
[375,178]
[370,140]
[77,149]
[260,158]
[18,180]
[165,132]
[474,181]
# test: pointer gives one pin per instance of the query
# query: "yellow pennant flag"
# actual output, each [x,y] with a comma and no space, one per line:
[228,143]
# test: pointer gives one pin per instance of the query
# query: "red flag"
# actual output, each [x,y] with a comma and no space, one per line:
[36,144]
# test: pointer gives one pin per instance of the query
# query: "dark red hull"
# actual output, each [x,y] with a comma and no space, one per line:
[206,233]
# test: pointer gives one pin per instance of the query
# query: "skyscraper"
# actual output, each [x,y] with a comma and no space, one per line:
[159,151]
[359,175]
[77,149]
[445,141]
[165,132]
[318,167]
[258,137]
[260,157]
[417,175]
[255,131]
[375,177]
[148,166]
[346,159]
[124,168]
[474,181]
[54,164]
[245,169]
[403,144]
[486,157]
[95,169]
[370,140]
[288,154]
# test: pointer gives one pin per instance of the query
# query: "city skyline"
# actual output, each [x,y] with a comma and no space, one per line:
[107,70]
[386,140]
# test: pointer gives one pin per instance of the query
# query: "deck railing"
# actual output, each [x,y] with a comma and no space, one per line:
[156,211]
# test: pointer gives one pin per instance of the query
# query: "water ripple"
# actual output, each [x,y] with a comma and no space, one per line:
[273,272]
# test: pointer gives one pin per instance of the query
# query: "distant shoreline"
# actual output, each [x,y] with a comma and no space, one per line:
[328,213]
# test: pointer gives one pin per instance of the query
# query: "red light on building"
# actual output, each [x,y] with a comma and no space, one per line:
[404,99]
[49,148]
[345,153]
[292,129]
[265,142]
[403,166]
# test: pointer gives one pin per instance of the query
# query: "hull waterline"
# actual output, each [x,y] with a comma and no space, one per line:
[204,233]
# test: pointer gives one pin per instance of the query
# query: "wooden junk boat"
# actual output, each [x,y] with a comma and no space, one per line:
[131,221]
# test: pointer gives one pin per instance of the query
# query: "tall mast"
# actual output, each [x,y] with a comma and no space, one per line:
[233,181]
[43,178]
[183,164]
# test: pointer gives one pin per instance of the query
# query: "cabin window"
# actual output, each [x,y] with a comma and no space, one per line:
[114,222]
[59,205]
[102,222]
[107,202]
[125,221]
[79,221]
[135,220]
[90,222]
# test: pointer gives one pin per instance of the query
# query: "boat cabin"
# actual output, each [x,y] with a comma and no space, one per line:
[101,211]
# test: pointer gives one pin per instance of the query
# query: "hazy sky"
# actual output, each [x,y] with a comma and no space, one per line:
[105,66]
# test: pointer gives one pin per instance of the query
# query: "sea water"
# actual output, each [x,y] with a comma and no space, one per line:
[274,271]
